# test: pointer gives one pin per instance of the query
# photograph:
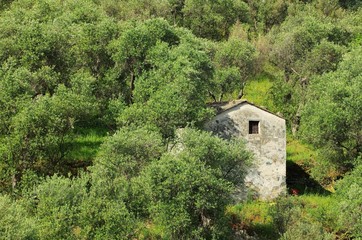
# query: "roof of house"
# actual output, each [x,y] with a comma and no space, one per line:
[224,106]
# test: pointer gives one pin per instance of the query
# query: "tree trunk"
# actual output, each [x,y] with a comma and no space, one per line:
[14,181]
[132,86]
[241,92]
[213,96]
[221,96]
[296,122]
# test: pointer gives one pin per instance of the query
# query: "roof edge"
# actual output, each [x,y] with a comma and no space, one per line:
[225,106]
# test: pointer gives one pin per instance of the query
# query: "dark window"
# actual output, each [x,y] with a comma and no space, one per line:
[253,127]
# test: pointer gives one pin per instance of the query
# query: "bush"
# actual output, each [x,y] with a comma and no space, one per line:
[302,230]
[57,206]
[14,221]
[187,199]
[127,152]
[293,221]
[77,209]
[287,211]
[349,193]
[190,187]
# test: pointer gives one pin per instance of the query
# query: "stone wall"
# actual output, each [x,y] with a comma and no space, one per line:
[266,177]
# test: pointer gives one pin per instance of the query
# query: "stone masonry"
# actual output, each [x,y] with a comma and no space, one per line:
[265,135]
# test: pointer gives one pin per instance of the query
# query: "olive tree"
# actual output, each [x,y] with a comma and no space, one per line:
[190,186]
[169,73]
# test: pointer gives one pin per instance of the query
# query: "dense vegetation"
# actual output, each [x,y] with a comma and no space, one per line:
[102,104]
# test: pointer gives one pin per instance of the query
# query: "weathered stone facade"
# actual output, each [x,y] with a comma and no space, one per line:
[265,136]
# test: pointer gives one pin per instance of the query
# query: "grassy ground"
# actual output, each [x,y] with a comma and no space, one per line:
[300,153]
[301,159]
[256,218]
[257,91]
[86,143]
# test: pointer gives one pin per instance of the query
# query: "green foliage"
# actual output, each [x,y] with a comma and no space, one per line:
[70,69]
[131,50]
[331,116]
[86,143]
[353,33]
[254,218]
[39,132]
[225,81]
[304,45]
[77,39]
[14,220]
[306,230]
[228,158]
[323,58]
[307,168]
[235,62]
[353,4]
[286,211]
[258,90]
[189,190]
[4,4]
[104,213]
[57,208]
[213,19]
[170,91]
[53,59]
[267,14]
[349,192]
[127,152]
[49,43]
[138,10]
[78,208]
[309,215]
[194,182]
[295,37]
[119,162]
[287,100]
[293,222]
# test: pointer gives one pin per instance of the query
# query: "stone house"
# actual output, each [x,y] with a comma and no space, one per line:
[265,135]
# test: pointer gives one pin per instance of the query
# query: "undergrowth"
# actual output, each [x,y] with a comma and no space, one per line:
[254,218]
[271,220]
[257,91]
[86,143]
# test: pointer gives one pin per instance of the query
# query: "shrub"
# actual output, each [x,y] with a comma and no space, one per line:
[14,221]
[293,221]
[190,187]
[187,199]
[349,193]
[77,209]
[302,230]
[57,206]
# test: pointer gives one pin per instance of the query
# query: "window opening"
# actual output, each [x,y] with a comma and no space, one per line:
[253,127]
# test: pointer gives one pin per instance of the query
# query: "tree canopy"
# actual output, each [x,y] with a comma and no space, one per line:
[103,103]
